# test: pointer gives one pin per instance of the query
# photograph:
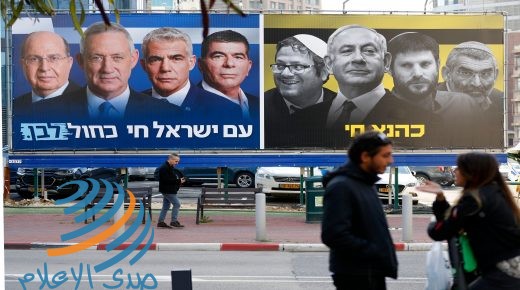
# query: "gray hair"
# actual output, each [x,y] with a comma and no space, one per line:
[101,27]
[380,37]
[167,34]
[472,49]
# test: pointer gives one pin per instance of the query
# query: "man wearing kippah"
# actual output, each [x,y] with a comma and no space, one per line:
[471,68]
[296,110]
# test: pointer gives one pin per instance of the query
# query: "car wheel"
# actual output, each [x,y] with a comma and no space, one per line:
[245,180]
[422,178]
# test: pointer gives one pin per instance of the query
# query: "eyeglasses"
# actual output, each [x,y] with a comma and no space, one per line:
[468,74]
[293,68]
[100,58]
[36,60]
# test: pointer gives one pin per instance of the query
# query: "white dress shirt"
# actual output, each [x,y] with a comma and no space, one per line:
[176,98]
[242,99]
[58,92]
[364,104]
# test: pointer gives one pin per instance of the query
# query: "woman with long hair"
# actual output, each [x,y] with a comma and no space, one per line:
[488,214]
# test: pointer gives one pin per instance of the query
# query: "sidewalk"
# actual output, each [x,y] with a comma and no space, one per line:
[29,228]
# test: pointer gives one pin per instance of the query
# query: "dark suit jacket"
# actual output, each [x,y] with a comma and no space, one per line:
[489,123]
[303,128]
[225,110]
[74,106]
[23,105]
[496,97]
[392,111]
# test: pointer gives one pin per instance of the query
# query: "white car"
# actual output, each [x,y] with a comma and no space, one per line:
[141,173]
[405,179]
[282,180]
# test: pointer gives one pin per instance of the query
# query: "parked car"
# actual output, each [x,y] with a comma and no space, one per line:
[281,181]
[406,184]
[140,173]
[243,177]
[54,177]
[443,175]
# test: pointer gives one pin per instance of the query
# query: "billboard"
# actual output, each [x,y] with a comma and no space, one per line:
[137,120]
[439,85]
[412,94]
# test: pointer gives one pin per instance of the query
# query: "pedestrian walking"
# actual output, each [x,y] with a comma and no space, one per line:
[354,225]
[487,215]
[170,180]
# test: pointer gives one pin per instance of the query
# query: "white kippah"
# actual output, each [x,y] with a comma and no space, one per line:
[474,45]
[314,44]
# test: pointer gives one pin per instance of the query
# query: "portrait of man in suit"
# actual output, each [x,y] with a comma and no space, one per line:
[357,56]
[296,109]
[107,57]
[225,63]
[415,72]
[471,68]
[168,59]
[46,64]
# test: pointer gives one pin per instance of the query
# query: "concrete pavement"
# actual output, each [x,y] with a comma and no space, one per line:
[228,230]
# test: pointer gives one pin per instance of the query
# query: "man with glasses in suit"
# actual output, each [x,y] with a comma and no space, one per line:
[296,109]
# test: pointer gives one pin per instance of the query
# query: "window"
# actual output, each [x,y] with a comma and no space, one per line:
[517,87]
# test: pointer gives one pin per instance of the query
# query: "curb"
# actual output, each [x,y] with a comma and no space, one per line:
[298,247]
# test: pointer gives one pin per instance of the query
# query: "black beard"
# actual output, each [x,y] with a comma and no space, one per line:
[403,91]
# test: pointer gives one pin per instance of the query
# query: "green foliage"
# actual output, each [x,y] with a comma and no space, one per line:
[11,11]
[514,156]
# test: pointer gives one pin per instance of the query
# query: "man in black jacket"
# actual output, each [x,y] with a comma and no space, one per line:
[296,110]
[170,180]
[354,226]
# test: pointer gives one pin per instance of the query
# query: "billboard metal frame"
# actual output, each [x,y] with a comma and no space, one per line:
[307,157]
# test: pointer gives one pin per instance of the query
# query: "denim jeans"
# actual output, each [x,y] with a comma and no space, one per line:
[170,198]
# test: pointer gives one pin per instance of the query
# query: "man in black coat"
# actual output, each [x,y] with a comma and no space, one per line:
[296,110]
[354,226]
[170,180]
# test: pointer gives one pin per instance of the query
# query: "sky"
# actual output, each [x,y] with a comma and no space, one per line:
[374,5]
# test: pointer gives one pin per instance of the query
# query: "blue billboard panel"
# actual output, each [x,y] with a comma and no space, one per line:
[107,100]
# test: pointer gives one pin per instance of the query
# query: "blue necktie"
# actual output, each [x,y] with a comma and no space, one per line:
[104,109]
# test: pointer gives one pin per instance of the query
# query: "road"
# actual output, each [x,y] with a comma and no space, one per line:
[210,270]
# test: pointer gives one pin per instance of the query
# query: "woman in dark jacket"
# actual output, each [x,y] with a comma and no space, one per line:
[487,212]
